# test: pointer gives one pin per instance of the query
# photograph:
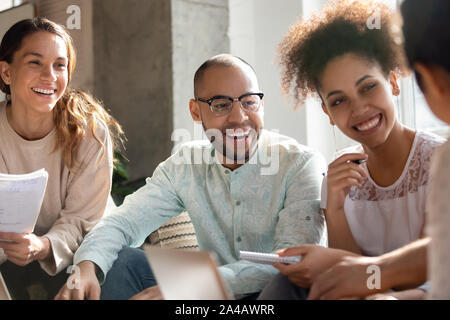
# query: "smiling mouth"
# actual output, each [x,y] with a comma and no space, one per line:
[46,92]
[368,124]
[237,135]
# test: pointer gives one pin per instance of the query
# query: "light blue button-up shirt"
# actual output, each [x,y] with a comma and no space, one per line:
[269,203]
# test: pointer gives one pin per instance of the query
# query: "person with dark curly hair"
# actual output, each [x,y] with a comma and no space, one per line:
[373,196]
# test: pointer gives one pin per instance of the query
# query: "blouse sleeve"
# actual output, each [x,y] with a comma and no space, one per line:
[88,190]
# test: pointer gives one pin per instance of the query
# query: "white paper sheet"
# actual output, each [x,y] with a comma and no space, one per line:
[21,198]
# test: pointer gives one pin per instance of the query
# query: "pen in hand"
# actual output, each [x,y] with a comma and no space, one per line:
[359,161]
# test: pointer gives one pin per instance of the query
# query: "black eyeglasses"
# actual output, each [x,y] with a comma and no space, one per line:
[222,105]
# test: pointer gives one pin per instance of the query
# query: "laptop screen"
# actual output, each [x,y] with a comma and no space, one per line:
[186,275]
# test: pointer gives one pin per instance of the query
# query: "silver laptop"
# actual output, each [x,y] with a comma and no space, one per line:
[186,275]
[4,293]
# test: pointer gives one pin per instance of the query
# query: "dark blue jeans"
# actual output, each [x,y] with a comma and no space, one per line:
[129,275]
[280,288]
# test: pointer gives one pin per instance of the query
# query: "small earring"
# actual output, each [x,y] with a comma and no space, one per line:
[396,91]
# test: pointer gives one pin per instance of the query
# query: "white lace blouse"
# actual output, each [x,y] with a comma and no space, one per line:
[383,219]
[438,224]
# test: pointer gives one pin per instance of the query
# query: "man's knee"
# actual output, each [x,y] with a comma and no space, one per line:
[129,260]
[280,288]
[128,254]
[129,275]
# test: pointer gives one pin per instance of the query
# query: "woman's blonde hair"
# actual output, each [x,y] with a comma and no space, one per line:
[76,110]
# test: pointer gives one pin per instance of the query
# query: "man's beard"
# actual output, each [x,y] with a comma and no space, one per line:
[234,153]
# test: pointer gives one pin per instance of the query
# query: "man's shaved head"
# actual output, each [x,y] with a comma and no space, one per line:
[223,60]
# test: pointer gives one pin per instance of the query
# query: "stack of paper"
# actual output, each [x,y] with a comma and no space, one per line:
[21,198]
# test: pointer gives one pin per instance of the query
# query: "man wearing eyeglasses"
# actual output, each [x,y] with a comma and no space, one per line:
[233,203]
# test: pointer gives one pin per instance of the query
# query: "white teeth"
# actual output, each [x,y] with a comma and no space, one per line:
[43,91]
[236,134]
[369,125]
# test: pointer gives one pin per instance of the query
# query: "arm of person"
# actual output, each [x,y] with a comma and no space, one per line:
[128,225]
[88,191]
[342,174]
[315,260]
[411,294]
[400,269]
[339,234]
[299,222]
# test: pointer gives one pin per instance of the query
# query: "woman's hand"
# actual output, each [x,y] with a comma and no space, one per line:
[348,278]
[343,174]
[315,260]
[22,249]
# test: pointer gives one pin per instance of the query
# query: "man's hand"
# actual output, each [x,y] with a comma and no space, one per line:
[86,286]
[315,260]
[152,293]
[346,279]
[22,249]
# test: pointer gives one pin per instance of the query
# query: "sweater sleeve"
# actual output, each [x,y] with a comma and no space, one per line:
[88,190]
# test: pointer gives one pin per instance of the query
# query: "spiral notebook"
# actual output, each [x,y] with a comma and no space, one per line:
[268,258]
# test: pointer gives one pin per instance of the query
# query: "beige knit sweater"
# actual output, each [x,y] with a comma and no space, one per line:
[73,202]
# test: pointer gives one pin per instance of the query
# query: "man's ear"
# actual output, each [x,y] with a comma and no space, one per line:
[324,108]
[194,109]
[5,72]
[434,82]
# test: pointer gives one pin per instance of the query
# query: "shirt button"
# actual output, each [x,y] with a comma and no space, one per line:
[227,172]
[238,203]
[238,239]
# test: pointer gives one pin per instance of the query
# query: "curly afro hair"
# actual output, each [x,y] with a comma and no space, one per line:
[341,27]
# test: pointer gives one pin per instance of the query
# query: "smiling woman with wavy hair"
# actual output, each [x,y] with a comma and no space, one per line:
[46,124]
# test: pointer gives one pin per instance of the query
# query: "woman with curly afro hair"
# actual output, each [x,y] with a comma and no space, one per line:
[373,196]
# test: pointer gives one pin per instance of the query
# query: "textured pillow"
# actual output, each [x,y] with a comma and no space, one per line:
[177,233]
